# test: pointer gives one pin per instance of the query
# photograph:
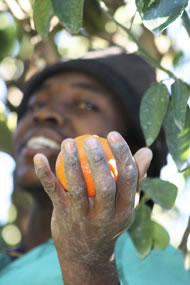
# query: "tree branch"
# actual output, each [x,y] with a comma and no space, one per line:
[183,244]
[142,51]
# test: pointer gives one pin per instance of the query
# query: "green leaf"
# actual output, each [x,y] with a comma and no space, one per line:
[8,34]
[141,230]
[158,14]
[153,108]
[161,192]
[186,22]
[42,14]
[186,135]
[70,13]
[177,57]
[180,95]
[160,236]
[186,172]
[177,140]
[5,137]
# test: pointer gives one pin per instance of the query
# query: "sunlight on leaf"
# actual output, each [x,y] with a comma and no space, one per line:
[161,192]
[177,140]
[152,111]
[180,95]
[42,14]
[70,13]
[157,15]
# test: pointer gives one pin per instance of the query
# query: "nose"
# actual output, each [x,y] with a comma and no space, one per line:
[49,116]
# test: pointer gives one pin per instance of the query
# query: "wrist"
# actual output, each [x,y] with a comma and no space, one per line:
[82,273]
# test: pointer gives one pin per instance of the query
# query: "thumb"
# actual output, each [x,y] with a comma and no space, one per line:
[143,159]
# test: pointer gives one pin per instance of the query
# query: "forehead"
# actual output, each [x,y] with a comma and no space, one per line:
[80,85]
[75,80]
[71,84]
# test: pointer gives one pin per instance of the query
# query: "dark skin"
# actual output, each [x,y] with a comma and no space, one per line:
[84,229]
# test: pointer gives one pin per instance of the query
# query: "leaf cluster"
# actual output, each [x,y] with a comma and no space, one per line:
[69,12]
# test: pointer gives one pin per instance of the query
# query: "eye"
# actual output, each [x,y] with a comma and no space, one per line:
[84,105]
[36,106]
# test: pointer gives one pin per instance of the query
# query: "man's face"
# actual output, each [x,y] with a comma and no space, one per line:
[66,105]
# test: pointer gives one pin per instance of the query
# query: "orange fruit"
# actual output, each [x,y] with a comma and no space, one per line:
[84,164]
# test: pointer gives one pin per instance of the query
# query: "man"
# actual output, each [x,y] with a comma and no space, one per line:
[96,95]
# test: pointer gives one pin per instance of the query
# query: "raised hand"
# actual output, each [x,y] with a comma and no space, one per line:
[85,228]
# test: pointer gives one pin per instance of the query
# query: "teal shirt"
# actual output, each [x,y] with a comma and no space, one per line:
[40,266]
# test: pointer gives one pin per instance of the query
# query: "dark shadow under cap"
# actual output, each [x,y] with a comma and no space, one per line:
[125,75]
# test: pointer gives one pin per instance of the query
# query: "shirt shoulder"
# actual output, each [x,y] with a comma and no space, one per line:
[39,266]
[4,260]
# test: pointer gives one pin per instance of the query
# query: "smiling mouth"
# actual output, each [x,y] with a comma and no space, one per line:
[40,142]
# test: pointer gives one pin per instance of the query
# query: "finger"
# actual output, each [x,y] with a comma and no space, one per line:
[49,182]
[143,159]
[74,178]
[127,175]
[104,204]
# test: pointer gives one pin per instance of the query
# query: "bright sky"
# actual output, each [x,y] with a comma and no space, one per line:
[3,90]
[7,165]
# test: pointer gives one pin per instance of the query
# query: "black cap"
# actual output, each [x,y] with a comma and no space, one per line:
[127,76]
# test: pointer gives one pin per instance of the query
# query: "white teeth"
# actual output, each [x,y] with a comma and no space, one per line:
[40,142]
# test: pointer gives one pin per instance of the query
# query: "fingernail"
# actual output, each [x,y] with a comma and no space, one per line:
[115,137]
[39,159]
[91,143]
[69,146]
[40,162]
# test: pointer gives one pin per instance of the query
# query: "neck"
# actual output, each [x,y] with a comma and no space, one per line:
[39,230]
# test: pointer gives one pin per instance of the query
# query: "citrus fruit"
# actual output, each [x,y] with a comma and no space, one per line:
[84,164]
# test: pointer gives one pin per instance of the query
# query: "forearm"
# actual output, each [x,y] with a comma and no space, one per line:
[78,273]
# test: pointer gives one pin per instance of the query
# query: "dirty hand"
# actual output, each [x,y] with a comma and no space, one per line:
[85,228]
